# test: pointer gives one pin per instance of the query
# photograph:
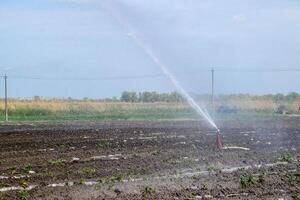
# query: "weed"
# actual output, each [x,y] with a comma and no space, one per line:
[2,196]
[57,162]
[247,181]
[155,153]
[262,178]
[147,190]
[101,183]
[211,169]
[119,176]
[23,184]
[204,186]
[294,177]
[48,174]
[286,157]
[12,170]
[62,147]
[103,144]
[88,171]
[27,168]
[22,195]
[81,181]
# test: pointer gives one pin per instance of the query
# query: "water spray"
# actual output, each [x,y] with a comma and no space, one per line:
[135,35]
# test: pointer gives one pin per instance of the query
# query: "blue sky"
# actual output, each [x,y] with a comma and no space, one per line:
[80,39]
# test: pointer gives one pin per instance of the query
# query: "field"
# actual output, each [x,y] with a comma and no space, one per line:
[40,109]
[173,159]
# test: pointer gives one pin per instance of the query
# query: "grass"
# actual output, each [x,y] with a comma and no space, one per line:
[62,110]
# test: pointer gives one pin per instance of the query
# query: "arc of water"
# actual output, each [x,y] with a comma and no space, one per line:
[108,5]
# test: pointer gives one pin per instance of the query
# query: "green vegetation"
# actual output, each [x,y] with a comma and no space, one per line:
[57,162]
[2,196]
[262,178]
[27,168]
[286,157]
[147,190]
[143,106]
[247,180]
[103,144]
[294,177]
[48,174]
[23,184]
[22,195]
[151,97]
[211,169]
[12,170]
[88,171]
[81,181]
[204,186]
[117,177]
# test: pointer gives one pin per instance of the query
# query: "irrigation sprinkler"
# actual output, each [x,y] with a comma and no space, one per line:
[218,141]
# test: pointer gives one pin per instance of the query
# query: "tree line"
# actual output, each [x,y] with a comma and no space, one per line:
[151,97]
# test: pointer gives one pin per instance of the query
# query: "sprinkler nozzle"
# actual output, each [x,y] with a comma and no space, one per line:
[218,140]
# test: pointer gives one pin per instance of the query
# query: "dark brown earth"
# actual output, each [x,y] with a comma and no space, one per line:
[150,160]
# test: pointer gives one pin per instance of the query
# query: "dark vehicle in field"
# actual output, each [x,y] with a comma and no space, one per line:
[281,109]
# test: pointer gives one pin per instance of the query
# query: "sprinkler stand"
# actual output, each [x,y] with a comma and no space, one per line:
[218,142]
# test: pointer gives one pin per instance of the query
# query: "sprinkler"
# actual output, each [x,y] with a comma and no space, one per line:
[218,140]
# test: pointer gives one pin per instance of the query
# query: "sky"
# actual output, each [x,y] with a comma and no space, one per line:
[65,48]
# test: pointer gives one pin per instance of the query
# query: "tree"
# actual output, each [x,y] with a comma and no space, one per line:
[129,96]
[291,96]
[125,96]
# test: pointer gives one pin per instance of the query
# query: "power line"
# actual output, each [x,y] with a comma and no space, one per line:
[216,69]
[87,78]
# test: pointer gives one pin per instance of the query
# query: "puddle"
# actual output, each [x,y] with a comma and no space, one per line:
[183,174]
[13,188]
[157,134]
[247,132]
[147,138]
[236,147]
[109,157]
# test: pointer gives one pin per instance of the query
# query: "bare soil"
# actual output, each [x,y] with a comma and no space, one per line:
[150,160]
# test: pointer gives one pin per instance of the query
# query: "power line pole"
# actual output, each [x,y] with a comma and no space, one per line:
[6,107]
[213,91]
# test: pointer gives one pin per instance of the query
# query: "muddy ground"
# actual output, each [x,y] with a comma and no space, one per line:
[150,160]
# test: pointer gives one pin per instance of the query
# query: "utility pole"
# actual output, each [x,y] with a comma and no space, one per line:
[213,91]
[6,106]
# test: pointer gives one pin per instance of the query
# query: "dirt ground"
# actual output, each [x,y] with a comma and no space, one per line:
[150,160]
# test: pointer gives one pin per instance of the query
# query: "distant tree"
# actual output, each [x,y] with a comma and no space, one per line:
[37,98]
[125,96]
[129,96]
[278,98]
[291,97]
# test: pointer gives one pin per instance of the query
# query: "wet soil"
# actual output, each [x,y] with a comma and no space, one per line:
[150,160]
